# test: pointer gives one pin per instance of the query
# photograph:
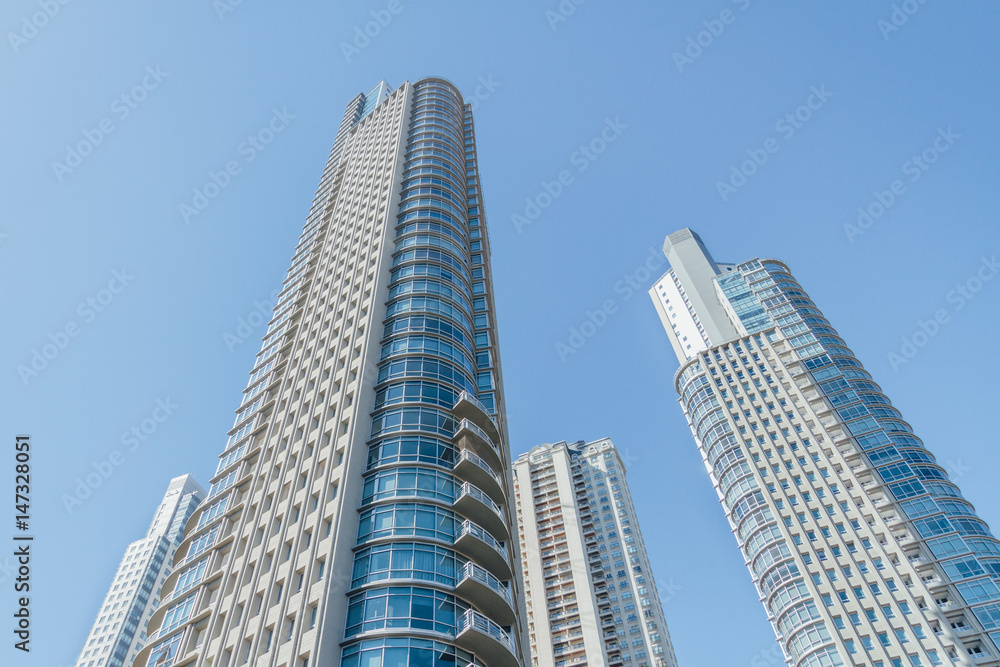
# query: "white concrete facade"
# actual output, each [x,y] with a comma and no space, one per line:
[367,470]
[119,630]
[590,595]
[863,551]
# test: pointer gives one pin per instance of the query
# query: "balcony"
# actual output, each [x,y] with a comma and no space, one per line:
[478,545]
[472,468]
[469,407]
[473,504]
[166,653]
[485,591]
[469,436]
[486,639]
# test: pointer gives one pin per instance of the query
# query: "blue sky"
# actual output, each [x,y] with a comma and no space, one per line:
[198,79]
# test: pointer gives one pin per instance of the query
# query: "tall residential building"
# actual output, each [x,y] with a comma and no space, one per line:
[589,590]
[360,511]
[864,552]
[119,631]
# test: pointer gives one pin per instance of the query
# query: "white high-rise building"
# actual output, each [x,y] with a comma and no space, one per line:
[119,631]
[359,514]
[589,590]
[864,552]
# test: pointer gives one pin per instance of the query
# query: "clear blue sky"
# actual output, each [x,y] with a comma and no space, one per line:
[682,126]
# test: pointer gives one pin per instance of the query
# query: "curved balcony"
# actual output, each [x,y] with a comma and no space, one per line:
[476,505]
[485,591]
[478,634]
[472,468]
[164,653]
[469,407]
[469,436]
[476,544]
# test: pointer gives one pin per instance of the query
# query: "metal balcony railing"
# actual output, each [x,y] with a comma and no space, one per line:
[471,426]
[474,458]
[476,621]
[475,492]
[476,531]
[466,396]
[473,571]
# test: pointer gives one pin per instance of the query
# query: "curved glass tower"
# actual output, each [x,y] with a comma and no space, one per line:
[863,551]
[361,512]
[435,551]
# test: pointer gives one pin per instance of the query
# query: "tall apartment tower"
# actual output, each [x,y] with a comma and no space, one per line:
[360,511]
[864,552]
[589,589]
[119,631]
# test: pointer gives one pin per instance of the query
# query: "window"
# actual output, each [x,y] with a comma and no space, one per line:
[177,614]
